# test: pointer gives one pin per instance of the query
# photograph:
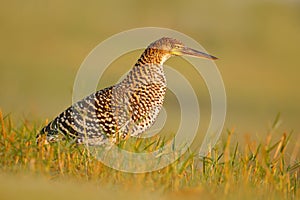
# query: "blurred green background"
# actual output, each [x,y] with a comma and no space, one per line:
[43,43]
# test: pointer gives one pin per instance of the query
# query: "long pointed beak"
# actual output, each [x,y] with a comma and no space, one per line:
[192,52]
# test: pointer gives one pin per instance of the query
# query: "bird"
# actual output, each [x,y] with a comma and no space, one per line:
[125,109]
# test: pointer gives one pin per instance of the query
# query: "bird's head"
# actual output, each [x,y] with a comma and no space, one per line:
[171,47]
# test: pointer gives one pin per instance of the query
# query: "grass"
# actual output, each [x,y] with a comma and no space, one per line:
[42,47]
[268,170]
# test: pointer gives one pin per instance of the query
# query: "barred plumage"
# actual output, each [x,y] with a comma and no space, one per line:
[128,108]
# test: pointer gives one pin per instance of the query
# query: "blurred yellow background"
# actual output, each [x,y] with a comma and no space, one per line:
[43,43]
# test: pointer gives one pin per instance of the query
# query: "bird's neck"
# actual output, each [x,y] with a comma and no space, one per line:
[146,74]
[153,57]
[147,70]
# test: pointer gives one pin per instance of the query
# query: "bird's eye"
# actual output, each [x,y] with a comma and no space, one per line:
[177,46]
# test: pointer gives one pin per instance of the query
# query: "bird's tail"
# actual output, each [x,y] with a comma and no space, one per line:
[48,134]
